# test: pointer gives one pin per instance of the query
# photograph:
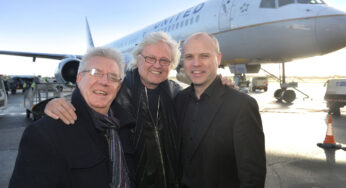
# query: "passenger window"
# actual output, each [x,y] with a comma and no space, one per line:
[191,21]
[267,4]
[181,23]
[176,25]
[186,22]
[285,2]
[311,2]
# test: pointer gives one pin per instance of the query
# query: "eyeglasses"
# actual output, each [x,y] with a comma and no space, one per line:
[152,60]
[99,74]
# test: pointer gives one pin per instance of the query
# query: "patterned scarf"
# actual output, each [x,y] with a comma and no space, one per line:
[120,177]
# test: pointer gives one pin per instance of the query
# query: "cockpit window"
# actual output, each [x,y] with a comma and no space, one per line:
[267,4]
[285,2]
[311,2]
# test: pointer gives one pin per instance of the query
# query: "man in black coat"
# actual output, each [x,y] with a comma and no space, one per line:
[221,129]
[151,147]
[55,155]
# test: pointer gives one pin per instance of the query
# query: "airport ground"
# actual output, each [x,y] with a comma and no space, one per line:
[291,132]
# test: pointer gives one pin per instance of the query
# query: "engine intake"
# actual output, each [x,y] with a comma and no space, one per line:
[67,70]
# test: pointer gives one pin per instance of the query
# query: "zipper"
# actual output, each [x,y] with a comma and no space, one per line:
[157,134]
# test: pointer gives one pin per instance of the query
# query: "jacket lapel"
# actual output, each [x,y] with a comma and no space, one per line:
[206,121]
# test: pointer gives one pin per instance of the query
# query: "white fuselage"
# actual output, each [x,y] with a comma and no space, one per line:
[248,33]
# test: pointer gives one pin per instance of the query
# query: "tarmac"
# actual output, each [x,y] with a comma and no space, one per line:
[292,132]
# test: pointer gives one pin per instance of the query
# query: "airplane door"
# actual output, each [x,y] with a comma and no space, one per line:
[225,15]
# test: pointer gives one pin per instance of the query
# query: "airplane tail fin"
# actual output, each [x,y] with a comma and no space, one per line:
[89,36]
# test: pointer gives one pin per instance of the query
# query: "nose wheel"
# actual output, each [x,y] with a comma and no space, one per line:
[285,95]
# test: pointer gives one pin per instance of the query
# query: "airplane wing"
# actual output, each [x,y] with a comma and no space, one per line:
[40,55]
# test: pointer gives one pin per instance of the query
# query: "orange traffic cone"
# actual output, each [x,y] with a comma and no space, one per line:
[329,141]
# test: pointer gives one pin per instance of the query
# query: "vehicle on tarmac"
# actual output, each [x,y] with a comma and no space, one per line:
[19,82]
[335,95]
[259,82]
[3,95]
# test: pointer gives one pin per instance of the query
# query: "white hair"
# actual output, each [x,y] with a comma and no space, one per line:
[106,52]
[153,38]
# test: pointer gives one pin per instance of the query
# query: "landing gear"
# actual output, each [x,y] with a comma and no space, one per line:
[285,94]
[240,80]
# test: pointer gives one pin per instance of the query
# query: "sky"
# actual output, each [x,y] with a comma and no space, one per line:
[51,26]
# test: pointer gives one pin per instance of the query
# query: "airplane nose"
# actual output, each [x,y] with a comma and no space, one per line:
[330,30]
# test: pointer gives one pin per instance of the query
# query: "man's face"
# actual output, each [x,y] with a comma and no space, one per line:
[153,74]
[99,92]
[201,60]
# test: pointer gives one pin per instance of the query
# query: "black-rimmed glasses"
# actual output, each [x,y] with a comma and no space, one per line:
[99,74]
[152,60]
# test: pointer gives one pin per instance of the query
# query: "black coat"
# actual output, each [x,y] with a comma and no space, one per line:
[52,154]
[228,149]
[146,141]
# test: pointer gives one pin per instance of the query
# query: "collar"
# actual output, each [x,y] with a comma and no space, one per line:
[103,122]
[211,89]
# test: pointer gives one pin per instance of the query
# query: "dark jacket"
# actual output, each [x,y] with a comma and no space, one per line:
[155,147]
[52,154]
[228,147]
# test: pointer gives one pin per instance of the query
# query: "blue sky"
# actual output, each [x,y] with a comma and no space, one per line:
[59,27]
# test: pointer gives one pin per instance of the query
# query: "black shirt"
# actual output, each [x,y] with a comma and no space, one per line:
[192,120]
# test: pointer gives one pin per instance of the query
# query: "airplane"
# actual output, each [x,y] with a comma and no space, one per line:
[250,33]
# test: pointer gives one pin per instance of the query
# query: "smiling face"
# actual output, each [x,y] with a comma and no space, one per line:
[153,74]
[201,60]
[99,92]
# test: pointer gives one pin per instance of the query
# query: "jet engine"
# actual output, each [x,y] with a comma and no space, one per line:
[67,70]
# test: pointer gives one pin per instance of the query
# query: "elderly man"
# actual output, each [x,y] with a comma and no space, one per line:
[88,155]
[222,136]
[151,147]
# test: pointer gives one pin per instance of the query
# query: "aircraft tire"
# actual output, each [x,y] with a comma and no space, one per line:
[289,96]
[277,94]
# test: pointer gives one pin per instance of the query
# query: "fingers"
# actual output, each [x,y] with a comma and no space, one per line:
[60,108]
[70,109]
[228,82]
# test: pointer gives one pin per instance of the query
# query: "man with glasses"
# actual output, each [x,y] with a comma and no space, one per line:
[151,146]
[86,155]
